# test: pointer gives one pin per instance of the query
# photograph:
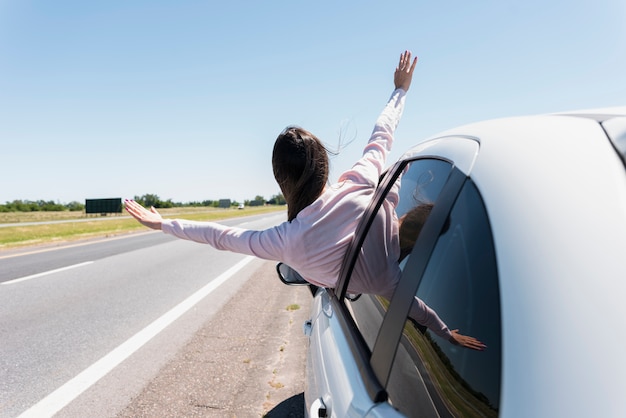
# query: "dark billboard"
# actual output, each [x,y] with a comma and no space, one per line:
[103,206]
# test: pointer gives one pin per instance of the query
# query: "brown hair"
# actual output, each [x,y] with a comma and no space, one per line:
[300,163]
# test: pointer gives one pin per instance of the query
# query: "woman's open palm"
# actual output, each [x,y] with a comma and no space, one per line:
[150,218]
[404,72]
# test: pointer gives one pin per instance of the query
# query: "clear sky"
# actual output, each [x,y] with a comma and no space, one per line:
[184,99]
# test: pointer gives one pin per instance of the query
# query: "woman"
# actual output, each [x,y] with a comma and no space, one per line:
[322,219]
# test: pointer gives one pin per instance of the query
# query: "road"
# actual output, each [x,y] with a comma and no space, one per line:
[84,329]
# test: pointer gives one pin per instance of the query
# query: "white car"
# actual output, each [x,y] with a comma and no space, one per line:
[524,249]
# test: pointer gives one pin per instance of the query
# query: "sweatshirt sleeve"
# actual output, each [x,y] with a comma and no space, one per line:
[268,244]
[371,165]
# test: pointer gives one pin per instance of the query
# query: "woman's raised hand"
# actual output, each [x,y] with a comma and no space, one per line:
[150,218]
[404,72]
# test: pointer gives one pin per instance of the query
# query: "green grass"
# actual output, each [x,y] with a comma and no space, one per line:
[26,235]
[15,217]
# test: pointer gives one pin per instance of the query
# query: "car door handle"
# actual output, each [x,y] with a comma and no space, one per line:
[319,409]
[307,327]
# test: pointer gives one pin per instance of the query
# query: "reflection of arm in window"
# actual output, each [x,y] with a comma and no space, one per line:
[426,316]
[411,224]
[465,341]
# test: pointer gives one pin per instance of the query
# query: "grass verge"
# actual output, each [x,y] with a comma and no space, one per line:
[78,226]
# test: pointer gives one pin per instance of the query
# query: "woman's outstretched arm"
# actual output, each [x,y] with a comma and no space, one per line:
[369,168]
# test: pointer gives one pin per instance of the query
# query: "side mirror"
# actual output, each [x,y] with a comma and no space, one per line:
[289,276]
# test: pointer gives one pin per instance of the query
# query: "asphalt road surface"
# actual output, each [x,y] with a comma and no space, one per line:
[147,325]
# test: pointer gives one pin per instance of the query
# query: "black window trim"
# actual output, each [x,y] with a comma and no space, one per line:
[350,257]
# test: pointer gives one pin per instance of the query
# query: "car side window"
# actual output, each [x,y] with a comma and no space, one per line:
[418,185]
[430,374]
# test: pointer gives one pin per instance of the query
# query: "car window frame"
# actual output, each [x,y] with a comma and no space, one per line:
[374,369]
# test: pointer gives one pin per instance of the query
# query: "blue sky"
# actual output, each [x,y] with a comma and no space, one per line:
[184,99]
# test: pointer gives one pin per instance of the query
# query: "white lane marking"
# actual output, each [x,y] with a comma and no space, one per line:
[46,273]
[61,397]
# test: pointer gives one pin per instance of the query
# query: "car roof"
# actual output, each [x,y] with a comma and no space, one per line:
[613,121]
[554,188]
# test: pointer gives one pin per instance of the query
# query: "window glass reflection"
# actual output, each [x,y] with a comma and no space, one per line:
[461,285]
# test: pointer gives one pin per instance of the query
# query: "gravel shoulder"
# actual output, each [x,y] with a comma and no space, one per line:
[246,361]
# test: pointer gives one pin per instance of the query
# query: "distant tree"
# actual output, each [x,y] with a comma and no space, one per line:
[23,206]
[50,206]
[75,206]
[148,200]
[278,199]
[40,205]
[258,201]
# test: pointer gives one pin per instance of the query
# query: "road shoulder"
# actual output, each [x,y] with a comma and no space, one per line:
[247,361]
